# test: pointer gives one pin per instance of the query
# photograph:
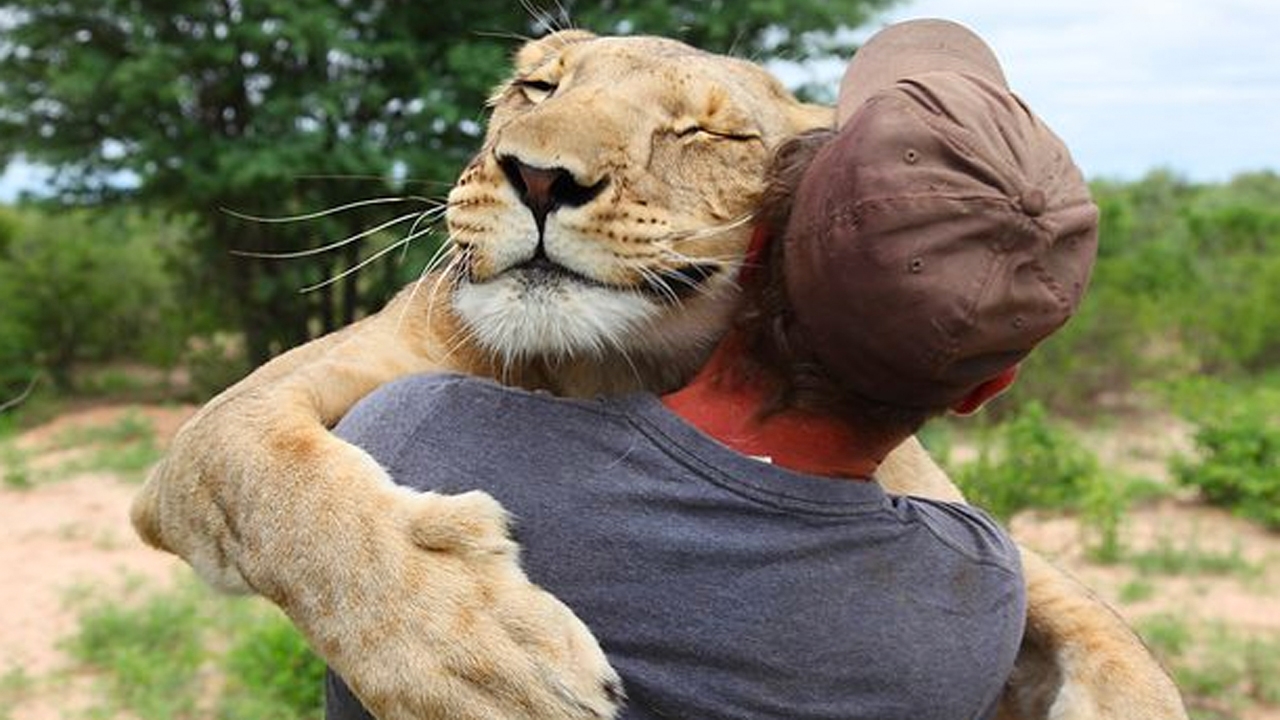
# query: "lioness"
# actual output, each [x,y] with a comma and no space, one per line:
[596,238]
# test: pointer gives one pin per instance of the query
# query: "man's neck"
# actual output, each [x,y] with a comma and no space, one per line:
[724,404]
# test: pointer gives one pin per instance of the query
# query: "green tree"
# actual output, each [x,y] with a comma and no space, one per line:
[198,106]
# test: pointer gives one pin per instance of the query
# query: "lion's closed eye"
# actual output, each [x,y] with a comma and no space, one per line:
[693,129]
[535,91]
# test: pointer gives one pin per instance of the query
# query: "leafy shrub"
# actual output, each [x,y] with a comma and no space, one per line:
[82,286]
[1237,462]
[1026,461]
[1216,666]
[1235,316]
[15,471]
[148,649]
[272,672]
[17,358]
[1187,281]
[214,363]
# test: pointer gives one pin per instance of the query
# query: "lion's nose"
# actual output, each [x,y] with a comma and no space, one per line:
[545,190]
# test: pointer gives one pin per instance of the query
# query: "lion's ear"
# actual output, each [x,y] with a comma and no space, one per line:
[536,52]
[807,116]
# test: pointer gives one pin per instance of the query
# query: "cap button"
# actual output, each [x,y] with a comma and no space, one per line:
[1033,202]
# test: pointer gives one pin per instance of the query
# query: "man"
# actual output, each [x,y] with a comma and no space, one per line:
[727,543]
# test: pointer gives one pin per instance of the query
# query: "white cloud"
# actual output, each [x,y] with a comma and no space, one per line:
[1136,84]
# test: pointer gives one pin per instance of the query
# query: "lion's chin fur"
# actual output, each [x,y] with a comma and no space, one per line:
[576,329]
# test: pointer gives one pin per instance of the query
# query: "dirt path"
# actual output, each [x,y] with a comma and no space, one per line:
[63,535]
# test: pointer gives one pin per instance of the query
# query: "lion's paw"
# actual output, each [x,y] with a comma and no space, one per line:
[469,522]
[462,633]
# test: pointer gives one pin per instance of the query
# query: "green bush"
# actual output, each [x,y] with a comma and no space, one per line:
[1217,667]
[86,287]
[1026,461]
[147,648]
[1235,315]
[1237,459]
[214,363]
[272,673]
[17,356]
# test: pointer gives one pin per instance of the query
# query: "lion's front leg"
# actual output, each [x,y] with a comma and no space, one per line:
[418,600]
[220,480]
[1080,661]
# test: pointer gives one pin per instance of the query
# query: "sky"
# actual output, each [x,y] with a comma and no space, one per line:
[1190,86]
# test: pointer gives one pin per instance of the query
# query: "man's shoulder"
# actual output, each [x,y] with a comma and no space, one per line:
[395,409]
[432,405]
[966,530]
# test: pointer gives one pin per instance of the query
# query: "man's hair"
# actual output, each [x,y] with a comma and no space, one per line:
[767,324]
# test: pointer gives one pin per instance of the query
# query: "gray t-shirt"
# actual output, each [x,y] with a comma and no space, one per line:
[718,585]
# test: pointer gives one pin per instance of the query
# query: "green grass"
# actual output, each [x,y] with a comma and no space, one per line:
[1168,635]
[1218,668]
[131,427]
[126,448]
[15,686]
[15,469]
[147,648]
[271,672]
[1237,460]
[1188,558]
[155,650]
[1137,590]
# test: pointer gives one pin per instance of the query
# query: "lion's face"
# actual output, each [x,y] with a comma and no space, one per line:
[608,210]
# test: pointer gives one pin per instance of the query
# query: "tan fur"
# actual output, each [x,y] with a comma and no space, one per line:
[395,588]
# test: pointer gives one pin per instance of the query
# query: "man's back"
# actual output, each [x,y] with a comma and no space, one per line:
[719,586]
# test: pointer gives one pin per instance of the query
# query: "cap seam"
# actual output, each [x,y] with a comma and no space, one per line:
[960,137]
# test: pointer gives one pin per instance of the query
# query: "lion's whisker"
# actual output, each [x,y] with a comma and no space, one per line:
[441,252]
[541,18]
[656,281]
[372,258]
[354,268]
[621,350]
[331,211]
[427,215]
[678,258]
[565,17]
[460,337]
[502,35]
[677,236]
[455,259]
[447,249]
[450,271]
[331,246]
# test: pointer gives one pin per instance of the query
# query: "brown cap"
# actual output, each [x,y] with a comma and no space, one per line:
[943,232]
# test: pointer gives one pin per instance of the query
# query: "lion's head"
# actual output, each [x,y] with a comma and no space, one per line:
[604,219]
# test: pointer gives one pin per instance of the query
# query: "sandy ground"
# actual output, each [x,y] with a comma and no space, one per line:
[60,536]
[75,533]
